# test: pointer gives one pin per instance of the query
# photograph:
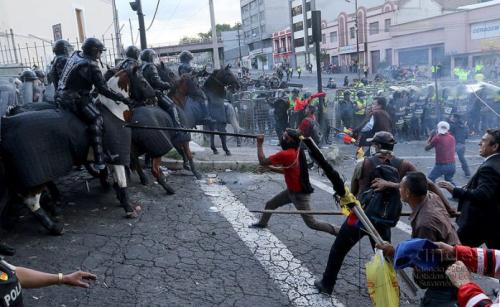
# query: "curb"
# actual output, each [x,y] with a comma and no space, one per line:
[244,166]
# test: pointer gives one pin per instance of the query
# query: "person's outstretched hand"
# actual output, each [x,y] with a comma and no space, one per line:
[79,279]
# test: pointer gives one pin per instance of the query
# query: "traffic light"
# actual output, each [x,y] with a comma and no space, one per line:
[134,5]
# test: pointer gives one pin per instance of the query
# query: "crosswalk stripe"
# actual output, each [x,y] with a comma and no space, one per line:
[293,279]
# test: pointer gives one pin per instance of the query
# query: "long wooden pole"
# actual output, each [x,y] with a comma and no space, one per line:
[134,126]
[312,212]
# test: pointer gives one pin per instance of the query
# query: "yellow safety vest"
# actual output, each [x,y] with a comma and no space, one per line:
[360,107]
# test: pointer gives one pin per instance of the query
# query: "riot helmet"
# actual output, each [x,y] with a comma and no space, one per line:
[92,47]
[39,74]
[28,75]
[148,56]
[361,94]
[185,56]
[62,47]
[132,52]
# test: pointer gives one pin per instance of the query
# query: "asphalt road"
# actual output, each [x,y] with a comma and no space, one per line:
[193,248]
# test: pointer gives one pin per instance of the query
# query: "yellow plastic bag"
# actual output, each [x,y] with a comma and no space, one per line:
[382,282]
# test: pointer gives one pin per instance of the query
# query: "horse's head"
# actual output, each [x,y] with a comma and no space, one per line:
[140,89]
[226,77]
[166,74]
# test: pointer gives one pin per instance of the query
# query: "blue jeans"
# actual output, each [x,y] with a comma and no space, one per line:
[446,170]
[460,149]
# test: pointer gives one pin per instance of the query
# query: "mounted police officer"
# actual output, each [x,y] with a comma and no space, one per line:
[61,49]
[185,67]
[150,73]
[132,58]
[74,92]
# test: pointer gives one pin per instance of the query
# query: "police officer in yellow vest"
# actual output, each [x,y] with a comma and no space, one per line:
[479,76]
[359,108]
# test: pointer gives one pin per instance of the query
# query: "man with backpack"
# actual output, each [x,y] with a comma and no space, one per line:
[309,126]
[375,183]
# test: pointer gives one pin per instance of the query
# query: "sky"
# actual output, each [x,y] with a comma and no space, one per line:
[178,18]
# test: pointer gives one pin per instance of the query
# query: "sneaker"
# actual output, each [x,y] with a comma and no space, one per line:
[318,283]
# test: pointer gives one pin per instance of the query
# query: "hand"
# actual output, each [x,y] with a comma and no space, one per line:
[78,279]
[260,139]
[458,274]
[386,248]
[379,184]
[446,185]
[445,251]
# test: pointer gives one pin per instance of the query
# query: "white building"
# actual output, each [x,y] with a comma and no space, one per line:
[36,24]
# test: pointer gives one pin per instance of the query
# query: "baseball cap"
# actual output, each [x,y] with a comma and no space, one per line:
[443,127]
[382,137]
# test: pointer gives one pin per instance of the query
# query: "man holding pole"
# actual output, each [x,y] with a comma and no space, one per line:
[291,162]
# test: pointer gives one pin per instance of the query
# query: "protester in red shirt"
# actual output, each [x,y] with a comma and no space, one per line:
[444,144]
[291,162]
[307,125]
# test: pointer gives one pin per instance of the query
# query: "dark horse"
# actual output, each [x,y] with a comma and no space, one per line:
[157,143]
[188,93]
[40,146]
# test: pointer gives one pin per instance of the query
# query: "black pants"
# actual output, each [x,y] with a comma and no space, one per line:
[348,237]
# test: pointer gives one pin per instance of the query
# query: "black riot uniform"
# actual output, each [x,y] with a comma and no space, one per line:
[10,288]
[150,73]
[80,74]
[132,58]
[185,67]
[61,49]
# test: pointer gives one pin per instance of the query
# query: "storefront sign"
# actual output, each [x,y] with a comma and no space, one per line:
[350,49]
[490,44]
[485,29]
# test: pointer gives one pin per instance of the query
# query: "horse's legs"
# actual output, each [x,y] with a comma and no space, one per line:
[160,177]
[189,156]
[120,179]
[136,166]
[223,139]
[233,120]
[212,139]
[33,203]
[185,160]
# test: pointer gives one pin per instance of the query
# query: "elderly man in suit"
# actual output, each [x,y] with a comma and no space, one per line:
[479,200]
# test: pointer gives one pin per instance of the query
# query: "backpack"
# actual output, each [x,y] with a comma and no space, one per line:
[383,207]
[316,134]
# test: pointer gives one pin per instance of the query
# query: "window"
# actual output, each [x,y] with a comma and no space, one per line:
[80,24]
[254,19]
[374,28]
[323,38]
[297,10]
[388,56]
[333,37]
[309,23]
[308,6]
[253,5]
[352,32]
[299,42]
[298,26]
[261,15]
[387,25]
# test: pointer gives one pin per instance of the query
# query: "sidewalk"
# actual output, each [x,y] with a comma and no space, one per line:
[242,158]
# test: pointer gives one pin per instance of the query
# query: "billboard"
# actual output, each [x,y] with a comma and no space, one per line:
[486,29]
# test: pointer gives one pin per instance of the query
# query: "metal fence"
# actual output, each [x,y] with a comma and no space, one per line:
[33,51]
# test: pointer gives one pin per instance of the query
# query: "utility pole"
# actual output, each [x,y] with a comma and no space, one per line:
[14,45]
[239,45]
[131,32]
[316,37]
[357,38]
[214,36]
[137,7]
[117,28]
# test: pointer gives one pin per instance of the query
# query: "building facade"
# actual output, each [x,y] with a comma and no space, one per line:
[410,33]
[301,28]
[260,19]
[235,48]
[282,47]
[35,26]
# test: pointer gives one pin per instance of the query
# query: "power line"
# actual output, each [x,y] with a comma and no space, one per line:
[154,15]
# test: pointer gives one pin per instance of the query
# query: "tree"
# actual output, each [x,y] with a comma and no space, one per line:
[218,28]
[188,40]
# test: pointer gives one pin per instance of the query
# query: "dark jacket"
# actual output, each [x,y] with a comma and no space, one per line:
[381,122]
[459,131]
[479,204]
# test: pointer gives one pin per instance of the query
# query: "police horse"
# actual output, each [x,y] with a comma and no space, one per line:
[40,146]
[214,88]
[157,143]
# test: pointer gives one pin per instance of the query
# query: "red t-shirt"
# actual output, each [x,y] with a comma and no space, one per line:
[289,159]
[306,125]
[444,145]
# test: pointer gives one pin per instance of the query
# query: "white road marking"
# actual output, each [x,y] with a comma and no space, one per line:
[328,189]
[293,279]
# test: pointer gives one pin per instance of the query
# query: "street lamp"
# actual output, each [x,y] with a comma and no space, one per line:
[357,34]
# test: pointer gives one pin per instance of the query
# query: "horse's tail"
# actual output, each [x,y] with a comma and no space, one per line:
[232,117]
